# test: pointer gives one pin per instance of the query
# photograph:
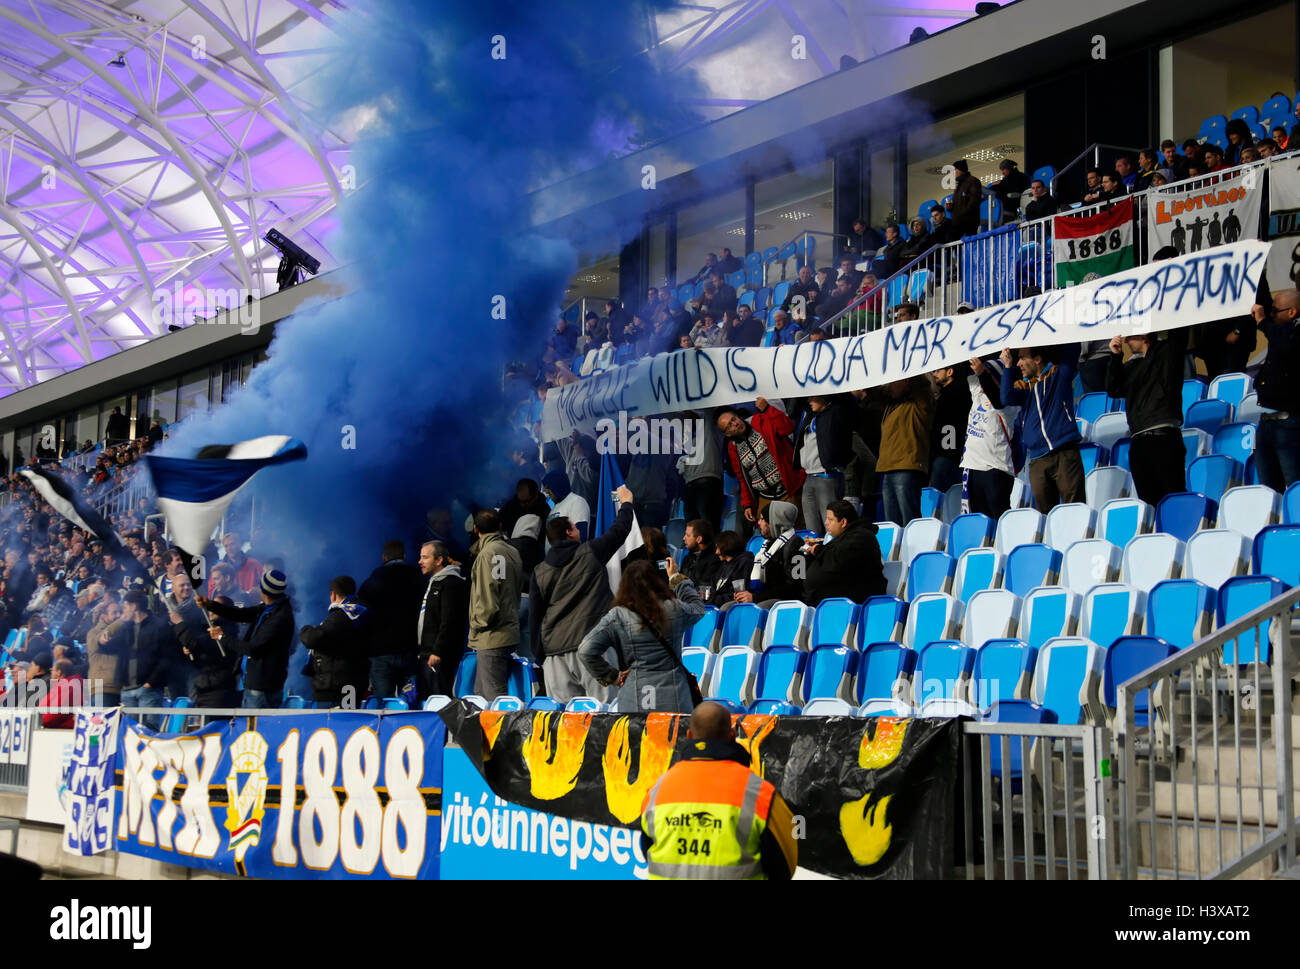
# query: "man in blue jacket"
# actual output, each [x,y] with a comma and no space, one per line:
[1045,429]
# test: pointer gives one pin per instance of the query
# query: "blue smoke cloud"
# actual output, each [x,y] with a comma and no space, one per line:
[411,360]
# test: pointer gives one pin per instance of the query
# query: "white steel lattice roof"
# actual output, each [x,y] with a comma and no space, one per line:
[146,146]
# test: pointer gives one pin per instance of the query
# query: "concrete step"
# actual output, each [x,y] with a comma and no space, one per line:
[1227,765]
[1204,797]
[1190,836]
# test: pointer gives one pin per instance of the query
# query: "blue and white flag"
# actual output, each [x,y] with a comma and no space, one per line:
[88,786]
[607,506]
[64,499]
[194,493]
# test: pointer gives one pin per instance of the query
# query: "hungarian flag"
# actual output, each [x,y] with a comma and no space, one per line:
[194,493]
[1088,247]
[65,500]
[607,506]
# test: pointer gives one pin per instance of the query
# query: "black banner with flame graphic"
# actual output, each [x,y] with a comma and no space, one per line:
[872,798]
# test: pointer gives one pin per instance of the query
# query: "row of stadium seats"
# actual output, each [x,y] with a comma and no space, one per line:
[1261,120]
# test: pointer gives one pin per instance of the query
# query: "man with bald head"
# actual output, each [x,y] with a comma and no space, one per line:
[711,817]
[1277,444]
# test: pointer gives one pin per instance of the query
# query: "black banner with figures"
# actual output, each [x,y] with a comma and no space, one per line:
[872,798]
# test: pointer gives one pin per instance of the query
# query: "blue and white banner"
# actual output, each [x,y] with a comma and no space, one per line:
[486,837]
[88,793]
[329,795]
[1197,288]
[193,493]
[607,506]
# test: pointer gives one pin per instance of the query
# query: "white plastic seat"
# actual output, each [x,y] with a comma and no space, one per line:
[1019,526]
[1149,559]
[1069,523]
[1087,563]
[1103,484]
[894,574]
[945,707]
[922,535]
[992,614]
[1249,509]
[829,707]
[1109,428]
[1215,555]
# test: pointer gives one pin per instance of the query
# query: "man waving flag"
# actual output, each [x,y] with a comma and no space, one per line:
[194,493]
[607,505]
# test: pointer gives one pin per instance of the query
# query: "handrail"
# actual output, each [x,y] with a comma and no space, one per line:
[1095,148]
[1160,683]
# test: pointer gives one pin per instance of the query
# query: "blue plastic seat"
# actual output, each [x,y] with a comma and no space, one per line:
[1048,613]
[1092,456]
[1213,474]
[1003,670]
[930,501]
[1278,106]
[881,619]
[1231,387]
[705,630]
[1213,130]
[890,538]
[746,299]
[1029,566]
[1067,679]
[1291,505]
[542,703]
[699,661]
[885,708]
[1208,415]
[176,722]
[1122,519]
[1112,610]
[1276,552]
[971,530]
[788,624]
[522,680]
[930,572]
[1180,611]
[943,671]
[1092,405]
[780,673]
[762,295]
[1236,440]
[1240,596]
[1119,454]
[742,625]
[1013,711]
[926,207]
[931,616]
[372,703]
[1184,513]
[977,569]
[885,671]
[465,673]
[1130,656]
[835,623]
[990,211]
[773,708]
[1044,175]
[1193,390]
[295,703]
[830,673]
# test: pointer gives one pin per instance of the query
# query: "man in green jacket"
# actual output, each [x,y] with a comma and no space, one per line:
[495,584]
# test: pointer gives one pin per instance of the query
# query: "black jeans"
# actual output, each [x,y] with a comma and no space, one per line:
[989,492]
[703,499]
[1155,459]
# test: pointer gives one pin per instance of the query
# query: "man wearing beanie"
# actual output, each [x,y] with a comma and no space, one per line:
[965,204]
[267,640]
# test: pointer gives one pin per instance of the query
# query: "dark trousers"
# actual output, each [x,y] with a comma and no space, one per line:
[1155,459]
[703,499]
[902,491]
[944,471]
[1057,478]
[492,677]
[989,492]
[1277,452]
[389,673]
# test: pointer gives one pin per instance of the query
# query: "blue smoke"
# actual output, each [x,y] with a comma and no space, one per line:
[409,364]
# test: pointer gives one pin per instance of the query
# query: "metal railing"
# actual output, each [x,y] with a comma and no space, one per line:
[983,272]
[1195,794]
[1035,802]
[1095,149]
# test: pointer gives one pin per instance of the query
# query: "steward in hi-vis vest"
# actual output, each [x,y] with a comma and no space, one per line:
[710,816]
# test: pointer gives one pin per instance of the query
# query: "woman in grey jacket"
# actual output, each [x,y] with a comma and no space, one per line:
[645,627]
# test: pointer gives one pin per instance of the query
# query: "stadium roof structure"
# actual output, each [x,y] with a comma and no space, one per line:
[146,147]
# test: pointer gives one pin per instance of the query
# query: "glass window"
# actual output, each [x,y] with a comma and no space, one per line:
[658,237]
[983,137]
[88,424]
[881,199]
[194,394]
[793,203]
[1244,63]
[708,227]
[163,404]
[106,411]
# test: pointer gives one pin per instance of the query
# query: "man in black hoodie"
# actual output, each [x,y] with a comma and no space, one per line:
[392,594]
[338,647]
[850,565]
[567,595]
[267,640]
[701,563]
[443,626]
[143,646]
[1151,383]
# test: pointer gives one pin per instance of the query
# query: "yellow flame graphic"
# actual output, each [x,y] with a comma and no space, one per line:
[866,832]
[554,777]
[658,739]
[756,728]
[883,746]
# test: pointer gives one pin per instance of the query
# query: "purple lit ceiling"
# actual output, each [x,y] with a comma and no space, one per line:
[146,145]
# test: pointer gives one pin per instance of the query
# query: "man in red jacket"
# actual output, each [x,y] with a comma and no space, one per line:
[762,457]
